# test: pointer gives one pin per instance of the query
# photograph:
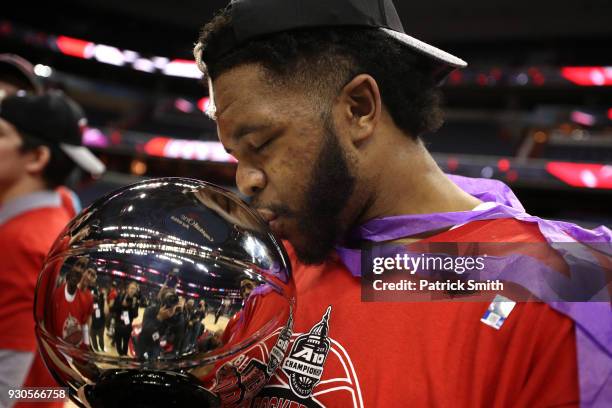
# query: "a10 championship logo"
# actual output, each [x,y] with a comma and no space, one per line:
[304,365]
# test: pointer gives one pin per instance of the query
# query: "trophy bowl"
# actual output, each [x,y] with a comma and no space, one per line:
[169,292]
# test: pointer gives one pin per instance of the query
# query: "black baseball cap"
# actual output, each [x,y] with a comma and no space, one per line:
[20,68]
[53,118]
[253,19]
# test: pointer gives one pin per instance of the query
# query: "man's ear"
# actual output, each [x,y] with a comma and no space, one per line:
[38,159]
[360,104]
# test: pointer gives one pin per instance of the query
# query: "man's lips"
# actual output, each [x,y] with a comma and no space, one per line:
[267,215]
[273,220]
[276,227]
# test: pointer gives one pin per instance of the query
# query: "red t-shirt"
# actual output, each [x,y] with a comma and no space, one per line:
[112,295]
[347,353]
[69,315]
[25,240]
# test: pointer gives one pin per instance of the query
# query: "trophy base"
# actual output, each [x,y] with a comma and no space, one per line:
[140,389]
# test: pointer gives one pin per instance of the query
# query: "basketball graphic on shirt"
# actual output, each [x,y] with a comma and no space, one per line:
[236,385]
[304,365]
[72,331]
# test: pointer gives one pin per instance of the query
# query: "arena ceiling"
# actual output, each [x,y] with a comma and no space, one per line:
[170,27]
[437,20]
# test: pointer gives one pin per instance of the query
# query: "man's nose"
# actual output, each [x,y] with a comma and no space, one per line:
[250,180]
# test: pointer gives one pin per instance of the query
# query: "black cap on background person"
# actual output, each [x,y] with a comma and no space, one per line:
[16,74]
[52,120]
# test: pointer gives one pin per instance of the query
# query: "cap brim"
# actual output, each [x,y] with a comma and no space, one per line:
[17,65]
[429,50]
[84,158]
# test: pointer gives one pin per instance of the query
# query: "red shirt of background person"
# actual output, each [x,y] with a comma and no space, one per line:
[112,295]
[40,138]
[72,307]
[18,233]
[29,246]
[87,284]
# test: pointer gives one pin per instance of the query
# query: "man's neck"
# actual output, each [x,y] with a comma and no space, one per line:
[21,188]
[70,293]
[412,183]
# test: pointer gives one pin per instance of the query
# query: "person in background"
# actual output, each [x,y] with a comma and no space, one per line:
[86,289]
[177,327]
[17,74]
[100,311]
[155,325]
[169,284]
[88,282]
[246,287]
[73,306]
[40,145]
[193,316]
[224,308]
[110,320]
[112,294]
[200,316]
[125,310]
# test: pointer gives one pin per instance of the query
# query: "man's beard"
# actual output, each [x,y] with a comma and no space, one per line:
[328,191]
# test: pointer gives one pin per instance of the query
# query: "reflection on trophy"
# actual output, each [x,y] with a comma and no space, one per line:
[170,292]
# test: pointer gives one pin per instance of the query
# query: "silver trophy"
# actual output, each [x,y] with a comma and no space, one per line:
[171,292]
